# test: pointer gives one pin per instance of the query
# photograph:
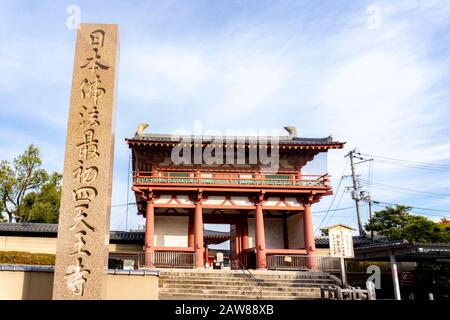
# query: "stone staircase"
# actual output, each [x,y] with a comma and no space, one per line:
[235,284]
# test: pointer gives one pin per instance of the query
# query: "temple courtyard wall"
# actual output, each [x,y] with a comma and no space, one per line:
[36,283]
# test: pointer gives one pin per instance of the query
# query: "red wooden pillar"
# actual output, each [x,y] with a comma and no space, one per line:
[260,239]
[149,248]
[244,228]
[285,233]
[198,233]
[206,253]
[191,240]
[310,245]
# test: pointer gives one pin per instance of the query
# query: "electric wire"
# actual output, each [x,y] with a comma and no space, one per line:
[334,197]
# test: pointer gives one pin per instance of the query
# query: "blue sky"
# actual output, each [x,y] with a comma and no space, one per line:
[322,66]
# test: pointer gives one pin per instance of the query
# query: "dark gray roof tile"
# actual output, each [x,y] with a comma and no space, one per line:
[284,140]
[51,230]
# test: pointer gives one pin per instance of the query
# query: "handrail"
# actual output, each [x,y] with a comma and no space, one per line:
[190,178]
[191,174]
[252,277]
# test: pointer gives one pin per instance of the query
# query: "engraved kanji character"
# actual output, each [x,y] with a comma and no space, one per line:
[89,119]
[84,195]
[92,89]
[76,276]
[93,62]
[79,244]
[80,218]
[97,38]
[88,149]
[85,174]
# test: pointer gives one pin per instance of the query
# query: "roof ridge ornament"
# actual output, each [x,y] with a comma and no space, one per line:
[140,129]
[292,130]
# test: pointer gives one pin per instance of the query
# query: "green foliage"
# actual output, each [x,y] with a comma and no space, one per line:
[361,266]
[396,223]
[43,205]
[27,192]
[19,257]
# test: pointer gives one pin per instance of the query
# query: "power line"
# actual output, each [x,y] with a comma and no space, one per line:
[128,192]
[379,185]
[334,197]
[413,207]
[406,165]
[338,209]
[422,164]
[377,203]
[337,206]
[123,204]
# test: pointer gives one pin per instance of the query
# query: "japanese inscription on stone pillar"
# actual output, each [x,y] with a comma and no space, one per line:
[83,231]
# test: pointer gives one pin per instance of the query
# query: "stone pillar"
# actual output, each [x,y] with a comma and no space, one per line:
[260,239]
[310,245]
[191,239]
[82,246]
[149,248]
[198,232]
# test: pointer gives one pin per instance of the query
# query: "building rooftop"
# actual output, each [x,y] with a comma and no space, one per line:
[324,241]
[403,251]
[286,140]
[50,230]
[282,140]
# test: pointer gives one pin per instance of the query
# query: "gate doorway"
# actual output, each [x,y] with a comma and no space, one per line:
[220,250]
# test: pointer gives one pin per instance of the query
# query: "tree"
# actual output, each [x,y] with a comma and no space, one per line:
[43,205]
[17,181]
[396,223]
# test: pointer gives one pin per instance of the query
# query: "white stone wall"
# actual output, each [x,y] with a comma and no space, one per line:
[273,230]
[295,231]
[251,232]
[171,231]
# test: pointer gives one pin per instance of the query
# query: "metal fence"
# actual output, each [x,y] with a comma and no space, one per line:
[302,262]
[167,259]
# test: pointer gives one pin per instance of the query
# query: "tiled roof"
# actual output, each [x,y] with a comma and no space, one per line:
[284,140]
[51,230]
[394,244]
[32,228]
[21,267]
[213,233]
[323,241]
[125,236]
[404,251]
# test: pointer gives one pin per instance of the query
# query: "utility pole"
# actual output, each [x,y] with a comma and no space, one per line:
[365,196]
[355,192]
[370,216]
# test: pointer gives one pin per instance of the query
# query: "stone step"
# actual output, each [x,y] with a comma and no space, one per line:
[240,295]
[204,277]
[294,275]
[249,282]
[196,296]
[234,284]
[243,278]
[250,287]
[237,290]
